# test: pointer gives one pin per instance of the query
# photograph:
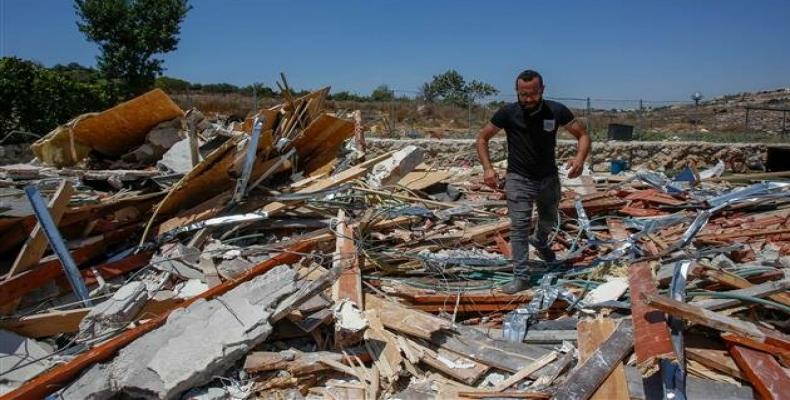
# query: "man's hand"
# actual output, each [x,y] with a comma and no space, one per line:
[574,167]
[491,178]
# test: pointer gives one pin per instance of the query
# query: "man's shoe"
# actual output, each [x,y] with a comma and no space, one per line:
[545,252]
[516,285]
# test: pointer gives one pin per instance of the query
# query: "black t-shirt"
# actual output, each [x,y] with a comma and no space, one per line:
[532,136]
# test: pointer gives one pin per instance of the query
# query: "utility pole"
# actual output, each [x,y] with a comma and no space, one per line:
[469,111]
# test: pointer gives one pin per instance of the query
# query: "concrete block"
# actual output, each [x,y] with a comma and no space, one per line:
[15,352]
[115,312]
[194,345]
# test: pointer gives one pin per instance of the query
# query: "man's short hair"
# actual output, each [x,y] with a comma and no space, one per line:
[529,75]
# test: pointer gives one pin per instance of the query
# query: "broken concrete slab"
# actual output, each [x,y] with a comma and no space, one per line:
[195,344]
[180,260]
[178,158]
[228,269]
[612,289]
[393,169]
[21,359]
[114,313]
[189,289]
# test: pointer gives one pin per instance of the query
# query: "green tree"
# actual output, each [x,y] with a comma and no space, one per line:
[36,99]
[382,93]
[172,85]
[451,87]
[129,34]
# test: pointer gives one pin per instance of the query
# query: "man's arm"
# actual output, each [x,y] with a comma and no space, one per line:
[489,174]
[578,128]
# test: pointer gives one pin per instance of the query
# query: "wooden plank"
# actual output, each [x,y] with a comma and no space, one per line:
[438,358]
[54,378]
[652,342]
[730,279]
[326,183]
[770,347]
[403,319]
[51,268]
[481,394]
[769,379]
[47,324]
[419,180]
[525,372]
[37,243]
[383,348]
[68,321]
[501,354]
[617,228]
[710,319]
[582,383]
[592,333]
[715,359]
[349,284]
[761,290]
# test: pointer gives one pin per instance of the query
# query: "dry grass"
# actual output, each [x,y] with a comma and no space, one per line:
[415,119]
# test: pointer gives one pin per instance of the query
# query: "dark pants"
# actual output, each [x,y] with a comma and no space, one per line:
[522,192]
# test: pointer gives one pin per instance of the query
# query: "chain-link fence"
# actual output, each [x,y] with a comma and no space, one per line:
[407,114]
[725,120]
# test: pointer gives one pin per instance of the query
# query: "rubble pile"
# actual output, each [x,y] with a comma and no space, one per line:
[152,253]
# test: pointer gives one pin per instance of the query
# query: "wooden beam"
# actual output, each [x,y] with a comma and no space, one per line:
[349,285]
[704,317]
[47,324]
[762,290]
[583,382]
[403,319]
[715,359]
[769,379]
[53,379]
[68,321]
[45,271]
[525,372]
[592,333]
[770,347]
[730,279]
[652,342]
[36,244]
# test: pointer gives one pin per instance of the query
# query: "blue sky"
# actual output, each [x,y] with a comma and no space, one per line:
[656,50]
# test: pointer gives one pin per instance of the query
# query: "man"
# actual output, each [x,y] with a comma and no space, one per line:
[532,178]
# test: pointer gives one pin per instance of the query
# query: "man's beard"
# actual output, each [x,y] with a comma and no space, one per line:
[530,106]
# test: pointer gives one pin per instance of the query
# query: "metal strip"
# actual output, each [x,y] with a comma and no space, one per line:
[249,160]
[58,245]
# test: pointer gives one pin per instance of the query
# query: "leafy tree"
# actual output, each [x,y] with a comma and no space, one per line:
[172,85]
[451,87]
[347,96]
[224,88]
[261,90]
[130,33]
[382,93]
[36,99]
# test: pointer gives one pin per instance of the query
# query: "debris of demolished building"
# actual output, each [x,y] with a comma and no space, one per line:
[155,253]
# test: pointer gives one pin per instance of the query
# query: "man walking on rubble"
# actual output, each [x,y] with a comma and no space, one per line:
[531,126]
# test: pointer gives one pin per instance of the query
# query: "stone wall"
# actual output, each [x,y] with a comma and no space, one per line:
[15,153]
[659,156]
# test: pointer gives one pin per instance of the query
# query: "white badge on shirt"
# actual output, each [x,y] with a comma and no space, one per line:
[548,125]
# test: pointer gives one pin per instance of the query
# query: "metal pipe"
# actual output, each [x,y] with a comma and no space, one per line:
[58,245]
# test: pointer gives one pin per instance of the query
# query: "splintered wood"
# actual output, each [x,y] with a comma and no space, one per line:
[373,269]
[651,333]
[592,333]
